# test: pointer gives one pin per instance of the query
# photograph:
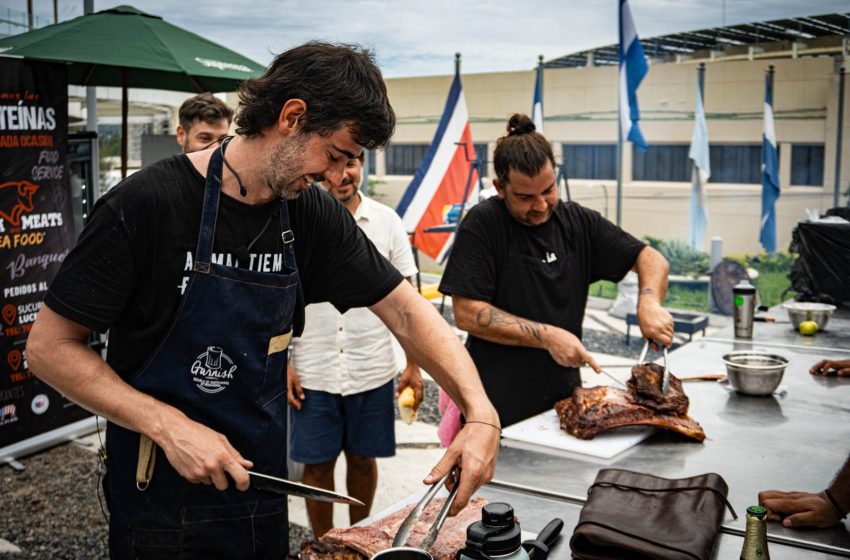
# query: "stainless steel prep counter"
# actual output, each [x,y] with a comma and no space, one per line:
[796,441]
[534,512]
[535,509]
[782,334]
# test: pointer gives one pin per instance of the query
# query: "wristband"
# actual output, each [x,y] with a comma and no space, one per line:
[485,423]
[834,503]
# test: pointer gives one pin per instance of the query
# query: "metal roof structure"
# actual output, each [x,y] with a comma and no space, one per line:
[804,32]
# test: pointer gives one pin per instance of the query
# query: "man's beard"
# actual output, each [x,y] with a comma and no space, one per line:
[282,170]
[350,197]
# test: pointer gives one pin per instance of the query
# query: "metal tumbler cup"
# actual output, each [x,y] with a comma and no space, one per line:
[745,307]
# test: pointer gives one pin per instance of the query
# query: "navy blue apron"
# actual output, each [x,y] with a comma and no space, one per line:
[223,363]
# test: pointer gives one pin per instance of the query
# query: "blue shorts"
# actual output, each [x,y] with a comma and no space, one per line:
[362,424]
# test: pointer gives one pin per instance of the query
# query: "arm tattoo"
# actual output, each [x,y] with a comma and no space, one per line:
[647,291]
[494,318]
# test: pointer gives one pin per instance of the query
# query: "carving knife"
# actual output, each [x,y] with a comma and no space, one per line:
[283,486]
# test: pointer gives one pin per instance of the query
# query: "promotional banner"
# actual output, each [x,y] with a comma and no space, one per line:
[36,233]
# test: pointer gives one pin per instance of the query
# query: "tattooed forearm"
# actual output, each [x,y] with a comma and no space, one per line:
[534,329]
[647,291]
[491,317]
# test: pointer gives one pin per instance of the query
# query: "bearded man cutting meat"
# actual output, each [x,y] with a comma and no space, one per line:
[519,274]
[199,266]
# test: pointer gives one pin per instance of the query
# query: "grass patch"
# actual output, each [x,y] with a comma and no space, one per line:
[771,285]
[603,289]
[685,297]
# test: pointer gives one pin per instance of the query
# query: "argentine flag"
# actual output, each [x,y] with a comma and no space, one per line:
[537,106]
[633,68]
[698,215]
[769,171]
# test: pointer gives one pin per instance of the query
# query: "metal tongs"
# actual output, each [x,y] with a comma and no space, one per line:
[665,379]
[412,518]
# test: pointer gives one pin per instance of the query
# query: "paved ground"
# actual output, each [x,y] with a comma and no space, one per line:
[418,448]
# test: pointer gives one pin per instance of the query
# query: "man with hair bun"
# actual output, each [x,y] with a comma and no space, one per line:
[519,273]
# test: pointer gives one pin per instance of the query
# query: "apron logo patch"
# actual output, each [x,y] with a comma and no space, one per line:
[213,370]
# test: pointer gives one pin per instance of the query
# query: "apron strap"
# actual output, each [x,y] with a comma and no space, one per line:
[286,236]
[212,193]
[147,458]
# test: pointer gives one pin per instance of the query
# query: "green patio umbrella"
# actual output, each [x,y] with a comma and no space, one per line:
[124,47]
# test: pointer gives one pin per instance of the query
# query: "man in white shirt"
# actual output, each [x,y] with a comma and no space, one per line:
[341,371]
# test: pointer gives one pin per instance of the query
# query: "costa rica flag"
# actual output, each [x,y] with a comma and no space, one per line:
[445,179]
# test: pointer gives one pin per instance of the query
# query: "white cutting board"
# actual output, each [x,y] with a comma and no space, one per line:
[545,430]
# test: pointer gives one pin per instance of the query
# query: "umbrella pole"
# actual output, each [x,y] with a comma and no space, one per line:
[125,78]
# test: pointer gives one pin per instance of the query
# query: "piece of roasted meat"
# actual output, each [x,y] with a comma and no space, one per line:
[645,388]
[357,543]
[589,412]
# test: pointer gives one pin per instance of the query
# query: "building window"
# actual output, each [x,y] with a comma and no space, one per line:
[735,163]
[662,162]
[405,159]
[807,165]
[481,156]
[590,161]
[371,156]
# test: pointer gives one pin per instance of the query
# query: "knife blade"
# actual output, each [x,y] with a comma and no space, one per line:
[610,376]
[283,486]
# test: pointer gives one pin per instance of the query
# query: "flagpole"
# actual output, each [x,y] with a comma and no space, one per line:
[540,67]
[838,134]
[619,155]
[619,201]
[457,63]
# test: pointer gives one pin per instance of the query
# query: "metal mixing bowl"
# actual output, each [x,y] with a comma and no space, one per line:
[754,373]
[799,311]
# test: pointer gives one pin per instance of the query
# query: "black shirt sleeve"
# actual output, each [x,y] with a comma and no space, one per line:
[472,269]
[100,272]
[614,251]
[336,260]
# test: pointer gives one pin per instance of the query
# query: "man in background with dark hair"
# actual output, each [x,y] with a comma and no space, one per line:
[204,120]
[519,273]
[200,266]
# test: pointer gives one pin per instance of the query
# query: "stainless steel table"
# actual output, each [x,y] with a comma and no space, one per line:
[535,511]
[792,442]
[781,334]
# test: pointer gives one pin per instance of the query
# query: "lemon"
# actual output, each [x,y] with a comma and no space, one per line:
[808,328]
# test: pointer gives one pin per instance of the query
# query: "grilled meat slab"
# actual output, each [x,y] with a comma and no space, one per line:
[357,543]
[589,412]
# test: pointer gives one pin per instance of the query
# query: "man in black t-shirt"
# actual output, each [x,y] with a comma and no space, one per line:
[519,273]
[190,265]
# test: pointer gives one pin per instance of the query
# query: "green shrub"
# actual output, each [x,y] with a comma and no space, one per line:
[765,262]
[684,260]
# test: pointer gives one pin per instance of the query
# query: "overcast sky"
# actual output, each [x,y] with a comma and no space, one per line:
[420,38]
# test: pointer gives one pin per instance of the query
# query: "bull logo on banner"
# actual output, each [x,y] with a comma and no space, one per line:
[12,207]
